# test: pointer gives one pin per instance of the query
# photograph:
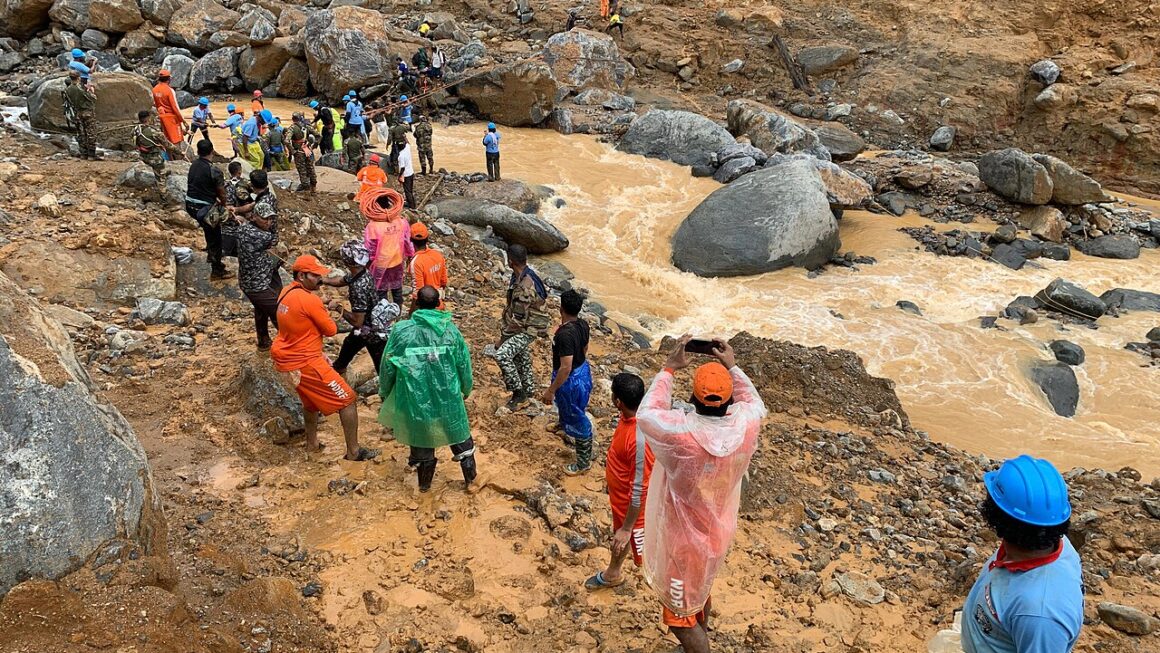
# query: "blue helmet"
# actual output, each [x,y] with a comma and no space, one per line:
[1030,490]
[204,101]
[491,126]
[346,98]
[402,97]
[314,104]
[231,108]
[78,53]
[267,115]
[353,93]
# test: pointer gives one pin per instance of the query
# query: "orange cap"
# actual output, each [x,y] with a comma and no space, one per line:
[164,72]
[419,231]
[712,384]
[307,263]
[375,159]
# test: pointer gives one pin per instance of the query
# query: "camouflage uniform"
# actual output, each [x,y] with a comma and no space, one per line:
[353,151]
[299,134]
[238,193]
[151,145]
[524,320]
[82,104]
[423,141]
[398,140]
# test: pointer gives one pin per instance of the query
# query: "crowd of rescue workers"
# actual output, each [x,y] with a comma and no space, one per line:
[674,473]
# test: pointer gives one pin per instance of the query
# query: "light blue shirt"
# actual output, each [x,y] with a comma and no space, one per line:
[491,143]
[232,122]
[405,114]
[201,116]
[354,110]
[84,70]
[1035,611]
[250,129]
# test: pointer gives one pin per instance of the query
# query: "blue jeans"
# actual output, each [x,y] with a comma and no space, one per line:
[572,402]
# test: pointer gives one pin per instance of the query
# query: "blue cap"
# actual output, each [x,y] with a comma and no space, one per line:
[231,107]
[491,125]
[314,104]
[402,97]
[352,93]
[78,53]
[1030,490]
[204,100]
[267,115]
[346,98]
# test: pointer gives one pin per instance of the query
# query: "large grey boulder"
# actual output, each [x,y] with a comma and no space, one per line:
[538,235]
[72,472]
[842,143]
[1058,383]
[582,58]
[770,219]
[826,58]
[1117,246]
[23,18]
[259,25]
[159,12]
[1066,297]
[194,24]
[117,16]
[119,97]
[679,136]
[1131,300]
[1014,175]
[521,94]
[734,168]
[512,193]
[75,276]
[773,131]
[844,189]
[260,64]
[1068,185]
[347,47]
[214,69]
[293,80]
[180,68]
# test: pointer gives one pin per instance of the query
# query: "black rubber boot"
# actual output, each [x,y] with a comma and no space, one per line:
[468,467]
[426,471]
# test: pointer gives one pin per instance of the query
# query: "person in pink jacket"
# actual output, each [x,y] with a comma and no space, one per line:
[695,490]
[389,244]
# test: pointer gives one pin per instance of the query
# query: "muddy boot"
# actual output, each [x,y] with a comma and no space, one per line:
[519,397]
[583,458]
[426,470]
[467,464]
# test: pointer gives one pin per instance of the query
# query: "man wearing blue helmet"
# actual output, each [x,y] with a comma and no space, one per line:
[233,124]
[79,64]
[251,144]
[201,119]
[1029,596]
[491,151]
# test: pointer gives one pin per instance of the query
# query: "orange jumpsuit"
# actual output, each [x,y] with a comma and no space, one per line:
[302,323]
[371,176]
[168,111]
[429,268]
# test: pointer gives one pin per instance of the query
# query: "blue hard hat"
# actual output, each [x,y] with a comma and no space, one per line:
[78,53]
[267,115]
[491,125]
[314,104]
[231,107]
[205,100]
[352,93]
[402,97]
[346,98]
[1030,490]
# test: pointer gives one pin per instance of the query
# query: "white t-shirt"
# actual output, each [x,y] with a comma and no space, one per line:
[406,165]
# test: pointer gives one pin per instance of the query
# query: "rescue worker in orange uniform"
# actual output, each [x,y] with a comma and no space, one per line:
[428,268]
[168,111]
[371,176]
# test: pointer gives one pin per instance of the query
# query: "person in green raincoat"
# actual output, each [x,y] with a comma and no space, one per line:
[424,377]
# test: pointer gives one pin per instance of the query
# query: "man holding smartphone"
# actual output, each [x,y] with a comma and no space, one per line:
[695,489]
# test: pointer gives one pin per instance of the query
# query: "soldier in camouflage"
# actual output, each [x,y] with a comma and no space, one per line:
[423,141]
[152,146]
[80,105]
[303,137]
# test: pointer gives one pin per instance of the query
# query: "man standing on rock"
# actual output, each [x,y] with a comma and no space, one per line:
[258,270]
[571,385]
[302,139]
[152,147]
[423,143]
[168,110]
[205,201]
[424,380]
[302,323]
[491,152]
[81,105]
[524,319]
[695,489]
[1029,597]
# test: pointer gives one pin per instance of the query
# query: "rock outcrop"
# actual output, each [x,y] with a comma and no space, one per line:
[347,47]
[773,131]
[582,58]
[522,94]
[770,219]
[1014,175]
[538,235]
[680,136]
[119,97]
[260,65]
[1059,385]
[72,473]
[23,18]
[193,25]
[117,16]
[1070,187]
[59,274]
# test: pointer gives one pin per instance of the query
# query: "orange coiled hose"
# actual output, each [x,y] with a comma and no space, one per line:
[381,204]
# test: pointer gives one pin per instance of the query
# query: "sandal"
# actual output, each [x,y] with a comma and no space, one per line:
[365,454]
[598,582]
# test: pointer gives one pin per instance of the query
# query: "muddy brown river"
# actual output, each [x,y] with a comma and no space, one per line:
[962,384]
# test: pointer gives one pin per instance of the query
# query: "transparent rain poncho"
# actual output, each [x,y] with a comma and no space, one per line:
[695,489]
[424,377]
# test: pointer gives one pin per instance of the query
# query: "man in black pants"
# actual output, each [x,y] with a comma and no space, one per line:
[258,273]
[407,174]
[205,201]
[364,298]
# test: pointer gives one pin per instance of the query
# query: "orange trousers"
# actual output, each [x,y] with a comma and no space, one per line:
[604,8]
[171,125]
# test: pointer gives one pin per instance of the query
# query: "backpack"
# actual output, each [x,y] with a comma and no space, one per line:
[382,318]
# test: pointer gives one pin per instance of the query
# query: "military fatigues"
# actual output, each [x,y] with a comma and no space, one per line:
[524,320]
[354,152]
[398,139]
[151,145]
[423,141]
[238,193]
[303,161]
[83,105]
[274,140]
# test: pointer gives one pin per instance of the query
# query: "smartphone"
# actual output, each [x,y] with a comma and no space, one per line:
[698,346]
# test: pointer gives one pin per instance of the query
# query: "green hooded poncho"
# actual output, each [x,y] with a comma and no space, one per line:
[424,377]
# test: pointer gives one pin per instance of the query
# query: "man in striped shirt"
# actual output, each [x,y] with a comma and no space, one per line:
[626,472]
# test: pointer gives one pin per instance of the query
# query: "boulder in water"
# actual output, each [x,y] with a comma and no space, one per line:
[1066,297]
[522,94]
[118,16]
[193,25]
[1067,352]
[773,131]
[72,472]
[512,193]
[773,218]
[582,58]
[844,189]
[1059,384]
[680,136]
[1131,300]
[348,47]
[1117,246]
[119,97]
[538,235]
[1069,186]
[1005,254]
[1014,175]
